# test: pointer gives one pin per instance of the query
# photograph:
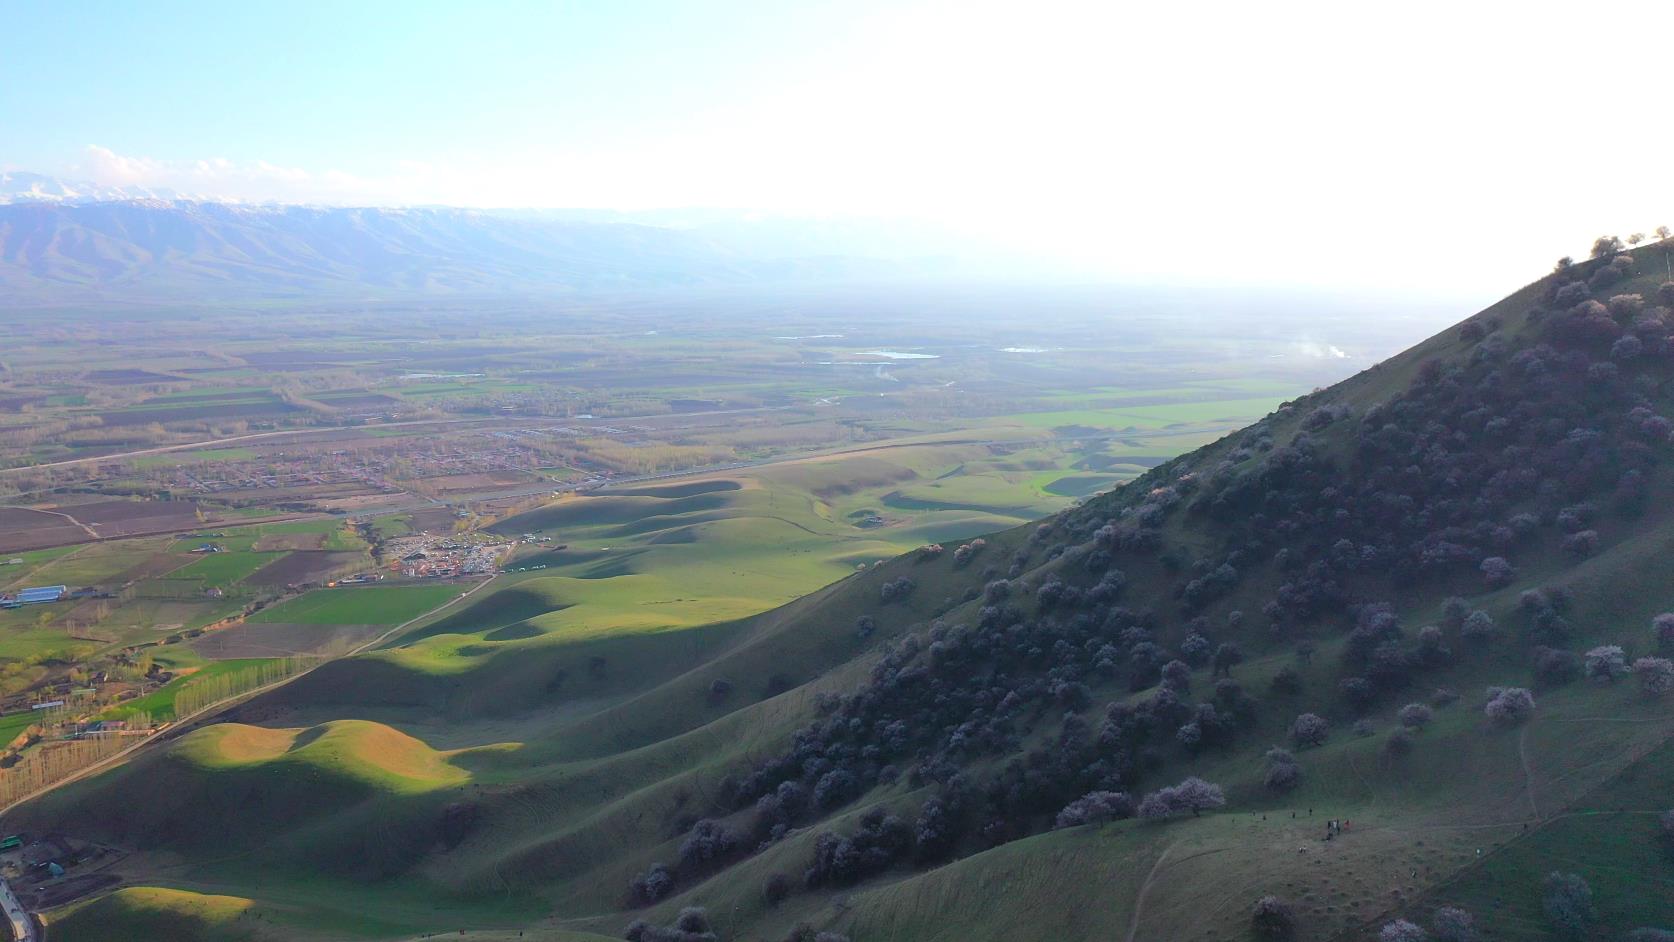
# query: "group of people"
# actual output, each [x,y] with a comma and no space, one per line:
[1335,827]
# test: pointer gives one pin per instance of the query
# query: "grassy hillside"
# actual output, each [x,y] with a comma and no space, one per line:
[905,753]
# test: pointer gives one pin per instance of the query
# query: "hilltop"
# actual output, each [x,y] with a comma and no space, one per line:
[1424,602]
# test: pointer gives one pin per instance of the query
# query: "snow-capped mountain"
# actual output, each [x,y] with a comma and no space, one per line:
[21,186]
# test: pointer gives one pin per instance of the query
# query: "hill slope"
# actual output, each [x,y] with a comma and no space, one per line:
[984,741]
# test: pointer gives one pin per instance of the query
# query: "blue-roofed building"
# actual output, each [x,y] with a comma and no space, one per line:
[45,593]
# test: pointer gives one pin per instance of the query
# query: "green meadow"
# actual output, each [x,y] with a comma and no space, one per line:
[361,605]
[224,569]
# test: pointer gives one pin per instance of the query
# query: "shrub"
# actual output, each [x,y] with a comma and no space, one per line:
[836,787]
[1432,646]
[777,889]
[1095,808]
[1286,681]
[896,589]
[652,885]
[1452,924]
[1227,656]
[1571,294]
[1497,571]
[1177,676]
[1402,931]
[1569,905]
[1554,667]
[1273,918]
[1478,627]
[1283,773]
[1607,662]
[707,842]
[1309,729]
[1509,706]
[1656,675]
[1398,745]
[1581,544]
[1662,628]
[1416,716]
[1193,794]
[1195,650]
[1358,691]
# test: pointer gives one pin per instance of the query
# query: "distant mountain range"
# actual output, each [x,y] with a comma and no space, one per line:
[80,243]
[24,187]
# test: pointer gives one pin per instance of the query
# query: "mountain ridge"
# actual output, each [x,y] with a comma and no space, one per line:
[138,250]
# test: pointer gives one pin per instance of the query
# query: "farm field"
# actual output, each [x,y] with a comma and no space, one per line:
[221,569]
[386,605]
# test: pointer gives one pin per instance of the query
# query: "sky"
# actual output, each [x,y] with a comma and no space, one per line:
[1329,143]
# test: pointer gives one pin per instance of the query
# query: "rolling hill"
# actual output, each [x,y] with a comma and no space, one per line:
[1422,603]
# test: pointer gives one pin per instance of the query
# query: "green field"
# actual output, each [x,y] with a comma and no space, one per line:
[160,703]
[371,605]
[13,725]
[224,569]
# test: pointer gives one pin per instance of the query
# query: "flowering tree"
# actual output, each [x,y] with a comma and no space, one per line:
[1509,706]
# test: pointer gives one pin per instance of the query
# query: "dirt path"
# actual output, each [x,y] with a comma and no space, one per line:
[84,527]
[1144,889]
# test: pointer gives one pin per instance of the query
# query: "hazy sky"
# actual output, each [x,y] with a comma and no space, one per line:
[1332,142]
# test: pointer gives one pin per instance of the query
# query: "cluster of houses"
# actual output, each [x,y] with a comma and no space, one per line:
[426,557]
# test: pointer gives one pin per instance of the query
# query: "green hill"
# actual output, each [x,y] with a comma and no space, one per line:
[982,740]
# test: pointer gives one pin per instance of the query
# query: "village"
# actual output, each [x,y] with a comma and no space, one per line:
[427,556]
[423,463]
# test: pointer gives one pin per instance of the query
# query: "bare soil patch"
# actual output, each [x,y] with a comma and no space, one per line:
[479,481]
[274,542]
[436,520]
[306,566]
[284,640]
[117,518]
[24,529]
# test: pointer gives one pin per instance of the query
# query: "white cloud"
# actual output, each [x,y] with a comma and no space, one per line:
[219,178]
[108,167]
[1313,349]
